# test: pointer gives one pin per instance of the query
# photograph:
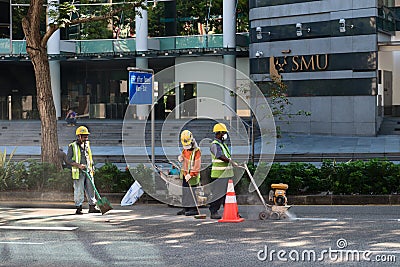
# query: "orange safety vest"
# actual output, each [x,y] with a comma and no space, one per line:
[191,164]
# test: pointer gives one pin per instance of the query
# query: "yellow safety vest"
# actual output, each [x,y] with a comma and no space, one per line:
[76,157]
[219,168]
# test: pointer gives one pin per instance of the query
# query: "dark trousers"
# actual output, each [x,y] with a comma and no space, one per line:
[187,198]
[218,189]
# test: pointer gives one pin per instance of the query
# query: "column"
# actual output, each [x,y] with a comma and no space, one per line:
[229,42]
[53,48]
[141,27]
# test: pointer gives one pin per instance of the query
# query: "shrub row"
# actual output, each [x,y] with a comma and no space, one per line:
[375,176]
[355,177]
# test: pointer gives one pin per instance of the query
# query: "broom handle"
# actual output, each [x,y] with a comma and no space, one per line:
[194,199]
[91,181]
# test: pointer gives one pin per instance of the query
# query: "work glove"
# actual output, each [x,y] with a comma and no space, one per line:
[180,158]
[187,177]
[234,164]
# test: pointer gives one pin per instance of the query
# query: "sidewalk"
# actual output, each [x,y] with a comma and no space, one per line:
[293,147]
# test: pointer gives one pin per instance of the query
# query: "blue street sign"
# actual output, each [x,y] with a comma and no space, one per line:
[140,88]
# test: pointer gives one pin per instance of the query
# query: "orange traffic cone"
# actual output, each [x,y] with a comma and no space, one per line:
[231,211]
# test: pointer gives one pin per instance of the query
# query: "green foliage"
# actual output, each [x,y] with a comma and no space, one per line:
[109,178]
[354,177]
[45,177]
[6,169]
[145,176]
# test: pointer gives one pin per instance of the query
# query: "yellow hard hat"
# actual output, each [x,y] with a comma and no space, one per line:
[220,127]
[82,130]
[186,137]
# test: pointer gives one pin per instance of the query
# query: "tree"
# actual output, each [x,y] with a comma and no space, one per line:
[36,47]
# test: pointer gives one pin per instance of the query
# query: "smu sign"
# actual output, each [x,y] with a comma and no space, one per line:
[140,87]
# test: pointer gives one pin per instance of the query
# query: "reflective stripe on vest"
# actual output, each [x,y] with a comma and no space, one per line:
[196,180]
[76,157]
[219,168]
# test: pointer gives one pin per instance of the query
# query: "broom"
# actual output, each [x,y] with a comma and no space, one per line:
[102,203]
[198,216]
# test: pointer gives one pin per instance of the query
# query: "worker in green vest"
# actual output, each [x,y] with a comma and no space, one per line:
[221,169]
[79,157]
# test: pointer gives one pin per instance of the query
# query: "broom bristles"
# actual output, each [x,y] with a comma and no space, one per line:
[104,205]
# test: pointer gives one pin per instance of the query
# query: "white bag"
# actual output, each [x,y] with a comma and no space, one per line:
[133,194]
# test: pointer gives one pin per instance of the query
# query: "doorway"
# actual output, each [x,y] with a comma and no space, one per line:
[187,99]
[387,92]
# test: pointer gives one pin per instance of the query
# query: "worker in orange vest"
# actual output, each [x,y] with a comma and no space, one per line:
[190,172]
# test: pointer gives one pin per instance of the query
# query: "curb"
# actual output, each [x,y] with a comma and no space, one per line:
[250,199]
[327,200]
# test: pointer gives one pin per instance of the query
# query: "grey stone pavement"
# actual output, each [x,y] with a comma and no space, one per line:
[291,147]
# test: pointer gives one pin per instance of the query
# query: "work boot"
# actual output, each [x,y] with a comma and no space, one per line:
[191,213]
[93,209]
[181,212]
[215,215]
[79,210]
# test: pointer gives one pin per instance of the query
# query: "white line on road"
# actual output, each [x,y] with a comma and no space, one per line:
[22,243]
[38,228]
[315,219]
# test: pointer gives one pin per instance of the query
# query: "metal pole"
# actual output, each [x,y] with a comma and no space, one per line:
[252,137]
[152,128]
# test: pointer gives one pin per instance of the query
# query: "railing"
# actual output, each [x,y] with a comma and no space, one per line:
[129,45]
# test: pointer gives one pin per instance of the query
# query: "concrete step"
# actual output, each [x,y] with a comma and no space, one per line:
[390,126]
[112,132]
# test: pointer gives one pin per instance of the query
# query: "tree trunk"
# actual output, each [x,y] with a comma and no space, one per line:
[47,110]
[37,50]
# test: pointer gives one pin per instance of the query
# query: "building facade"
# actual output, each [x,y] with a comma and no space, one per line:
[90,76]
[327,53]
[338,59]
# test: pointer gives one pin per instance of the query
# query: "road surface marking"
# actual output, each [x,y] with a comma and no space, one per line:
[22,243]
[315,219]
[38,228]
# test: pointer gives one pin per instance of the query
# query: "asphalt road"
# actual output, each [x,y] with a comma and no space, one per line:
[152,235]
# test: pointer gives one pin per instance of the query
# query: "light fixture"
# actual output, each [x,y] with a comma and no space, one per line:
[342,25]
[166,53]
[190,52]
[299,29]
[98,56]
[259,54]
[260,33]
[143,55]
[120,55]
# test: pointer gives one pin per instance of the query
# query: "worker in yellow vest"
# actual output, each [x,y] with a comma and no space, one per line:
[79,157]
[221,168]
[190,172]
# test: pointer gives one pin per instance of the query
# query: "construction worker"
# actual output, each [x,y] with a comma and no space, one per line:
[221,169]
[79,157]
[190,172]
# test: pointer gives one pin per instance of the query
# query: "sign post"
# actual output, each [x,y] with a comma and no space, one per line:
[141,92]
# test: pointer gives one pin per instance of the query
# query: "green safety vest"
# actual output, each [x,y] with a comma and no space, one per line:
[196,179]
[76,157]
[219,168]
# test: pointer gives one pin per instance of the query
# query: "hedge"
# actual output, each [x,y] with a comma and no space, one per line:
[375,176]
